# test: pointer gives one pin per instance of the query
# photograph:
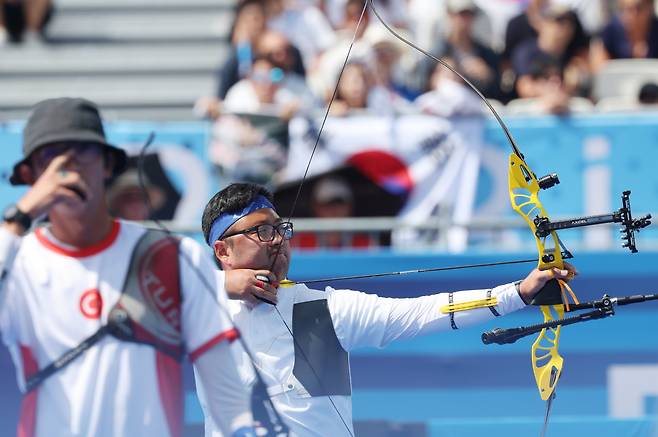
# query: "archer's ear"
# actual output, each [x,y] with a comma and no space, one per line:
[221,250]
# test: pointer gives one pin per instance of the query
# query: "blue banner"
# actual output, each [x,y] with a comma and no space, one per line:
[452,382]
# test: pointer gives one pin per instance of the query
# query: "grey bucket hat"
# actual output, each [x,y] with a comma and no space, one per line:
[64,120]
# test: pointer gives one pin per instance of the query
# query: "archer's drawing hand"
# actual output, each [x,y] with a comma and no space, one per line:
[242,284]
[536,280]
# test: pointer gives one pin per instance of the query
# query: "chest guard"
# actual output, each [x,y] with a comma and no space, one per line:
[149,309]
[321,364]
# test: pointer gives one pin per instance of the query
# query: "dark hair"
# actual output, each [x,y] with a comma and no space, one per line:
[544,65]
[580,39]
[241,6]
[648,93]
[231,199]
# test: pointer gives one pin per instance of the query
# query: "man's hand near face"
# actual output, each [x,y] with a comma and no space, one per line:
[242,284]
[55,184]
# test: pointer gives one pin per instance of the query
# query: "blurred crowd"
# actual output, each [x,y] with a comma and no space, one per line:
[286,55]
[286,58]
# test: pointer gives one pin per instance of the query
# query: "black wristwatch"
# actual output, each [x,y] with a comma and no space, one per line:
[14,215]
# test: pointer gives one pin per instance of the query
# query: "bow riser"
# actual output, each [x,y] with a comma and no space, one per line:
[524,197]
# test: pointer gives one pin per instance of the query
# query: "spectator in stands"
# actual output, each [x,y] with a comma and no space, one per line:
[275,46]
[264,90]
[4,36]
[248,24]
[543,81]
[387,66]
[554,48]
[525,27]
[520,28]
[126,199]
[305,26]
[322,78]
[448,95]
[358,92]
[632,33]
[394,12]
[331,198]
[475,60]
[23,20]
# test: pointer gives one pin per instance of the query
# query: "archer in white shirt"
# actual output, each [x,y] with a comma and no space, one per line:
[308,376]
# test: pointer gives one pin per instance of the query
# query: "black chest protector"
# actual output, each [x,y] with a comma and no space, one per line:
[321,364]
[149,309]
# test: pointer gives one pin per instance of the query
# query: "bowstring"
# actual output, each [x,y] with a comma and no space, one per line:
[549,405]
[296,200]
[499,119]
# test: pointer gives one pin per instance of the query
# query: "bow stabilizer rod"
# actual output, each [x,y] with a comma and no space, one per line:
[602,308]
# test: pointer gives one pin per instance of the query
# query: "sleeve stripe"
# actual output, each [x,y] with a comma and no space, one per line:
[453,325]
[229,336]
[493,310]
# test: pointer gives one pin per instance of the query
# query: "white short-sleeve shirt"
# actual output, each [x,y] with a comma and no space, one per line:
[55,296]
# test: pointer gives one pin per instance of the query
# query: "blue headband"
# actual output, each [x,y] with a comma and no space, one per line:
[226,220]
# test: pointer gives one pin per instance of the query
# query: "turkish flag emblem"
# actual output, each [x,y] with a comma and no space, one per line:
[91,304]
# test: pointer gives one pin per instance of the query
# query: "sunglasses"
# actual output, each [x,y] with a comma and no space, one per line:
[275,75]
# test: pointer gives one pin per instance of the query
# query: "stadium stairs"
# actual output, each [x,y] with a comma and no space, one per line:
[145,60]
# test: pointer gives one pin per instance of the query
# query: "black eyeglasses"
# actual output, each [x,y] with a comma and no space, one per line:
[266,232]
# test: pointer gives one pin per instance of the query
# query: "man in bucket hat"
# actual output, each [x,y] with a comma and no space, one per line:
[94,310]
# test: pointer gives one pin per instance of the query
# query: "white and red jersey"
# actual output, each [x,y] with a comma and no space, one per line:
[55,296]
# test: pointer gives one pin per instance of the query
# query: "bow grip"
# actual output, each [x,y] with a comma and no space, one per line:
[550,294]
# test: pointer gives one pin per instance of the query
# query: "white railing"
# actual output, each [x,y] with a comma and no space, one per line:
[485,232]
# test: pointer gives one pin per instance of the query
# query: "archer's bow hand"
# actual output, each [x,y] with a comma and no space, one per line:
[536,280]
